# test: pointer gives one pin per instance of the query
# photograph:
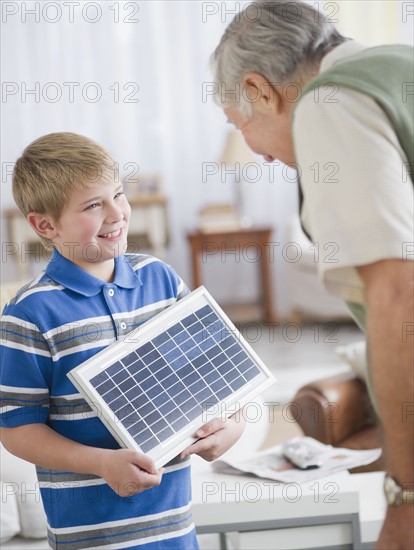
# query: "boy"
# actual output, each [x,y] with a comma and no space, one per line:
[95,494]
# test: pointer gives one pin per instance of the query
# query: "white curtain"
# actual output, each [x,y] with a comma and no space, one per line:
[131,75]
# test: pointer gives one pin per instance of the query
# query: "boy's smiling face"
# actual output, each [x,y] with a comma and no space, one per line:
[92,229]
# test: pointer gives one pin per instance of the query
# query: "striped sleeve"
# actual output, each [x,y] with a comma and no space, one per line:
[25,367]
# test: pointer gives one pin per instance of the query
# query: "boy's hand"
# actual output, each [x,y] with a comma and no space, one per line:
[128,472]
[216,437]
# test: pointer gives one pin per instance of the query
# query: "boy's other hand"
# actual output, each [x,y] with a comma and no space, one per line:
[216,437]
[128,472]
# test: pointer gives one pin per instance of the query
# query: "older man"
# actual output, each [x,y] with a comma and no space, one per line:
[342,114]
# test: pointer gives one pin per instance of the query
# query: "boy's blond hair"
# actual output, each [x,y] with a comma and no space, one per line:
[54,165]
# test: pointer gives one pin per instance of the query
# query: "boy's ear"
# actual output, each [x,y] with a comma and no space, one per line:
[43,225]
[265,94]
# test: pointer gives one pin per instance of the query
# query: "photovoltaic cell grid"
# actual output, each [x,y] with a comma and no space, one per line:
[163,385]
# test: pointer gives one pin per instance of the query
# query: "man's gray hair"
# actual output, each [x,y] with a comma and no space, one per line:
[284,41]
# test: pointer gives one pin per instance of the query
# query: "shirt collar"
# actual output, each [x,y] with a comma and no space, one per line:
[73,277]
[344,50]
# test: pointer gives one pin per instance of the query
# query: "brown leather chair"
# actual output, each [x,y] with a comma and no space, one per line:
[338,411]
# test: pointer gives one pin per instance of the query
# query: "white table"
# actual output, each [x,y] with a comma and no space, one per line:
[339,511]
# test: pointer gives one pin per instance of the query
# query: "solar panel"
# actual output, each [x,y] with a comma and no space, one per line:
[183,367]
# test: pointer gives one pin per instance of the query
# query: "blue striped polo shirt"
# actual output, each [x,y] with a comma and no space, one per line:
[53,324]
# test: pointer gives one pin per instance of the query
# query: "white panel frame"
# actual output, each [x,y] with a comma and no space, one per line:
[163,453]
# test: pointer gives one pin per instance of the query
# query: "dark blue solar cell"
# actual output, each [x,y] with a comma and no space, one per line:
[160,399]
[116,405]
[156,427]
[130,358]
[171,355]
[189,320]
[151,357]
[207,343]
[99,379]
[199,337]
[191,378]
[187,345]
[181,337]
[213,352]
[178,363]
[209,319]
[137,428]
[184,371]
[205,369]
[167,408]
[211,376]
[192,353]
[252,373]
[183,396]
[142,374]
[135,367]
[199,361]
[179,423]
[172,416]
[231,375]
[160,339]
[194,413]
[240,357]
[175,329]
[144,409]
[149,444]
[176,389]
[160,363]
[112,394]
[163,373]
[210,402]
[232,351]
[105,387]
[246,365]
[126,385]
[146,348]
[152,418]
[148,383]
[113,369]
[170,380]
[203,395]
[219,360]
[227,342]
[120,376]
[195,328]
[224,368]
[125,411]
[197,386]
[154,391]
[165,434]
[134,392]
[217,385]
[166,347]
[223,393]
[238,383]
[202,312]
[188,405]
[142,437]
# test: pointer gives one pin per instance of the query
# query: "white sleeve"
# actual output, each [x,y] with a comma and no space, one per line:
[358,197]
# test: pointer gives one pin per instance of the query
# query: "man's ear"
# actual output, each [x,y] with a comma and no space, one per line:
[43,225]
[258,89]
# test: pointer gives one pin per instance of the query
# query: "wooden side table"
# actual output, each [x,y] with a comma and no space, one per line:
[205,244]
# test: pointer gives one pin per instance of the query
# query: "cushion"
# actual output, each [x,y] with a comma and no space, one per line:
[9,518]
[21,474]
[355,355]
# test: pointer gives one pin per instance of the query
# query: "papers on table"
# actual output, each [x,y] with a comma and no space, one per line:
[271,464]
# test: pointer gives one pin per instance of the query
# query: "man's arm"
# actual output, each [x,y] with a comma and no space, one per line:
[126,471]
[389,292]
